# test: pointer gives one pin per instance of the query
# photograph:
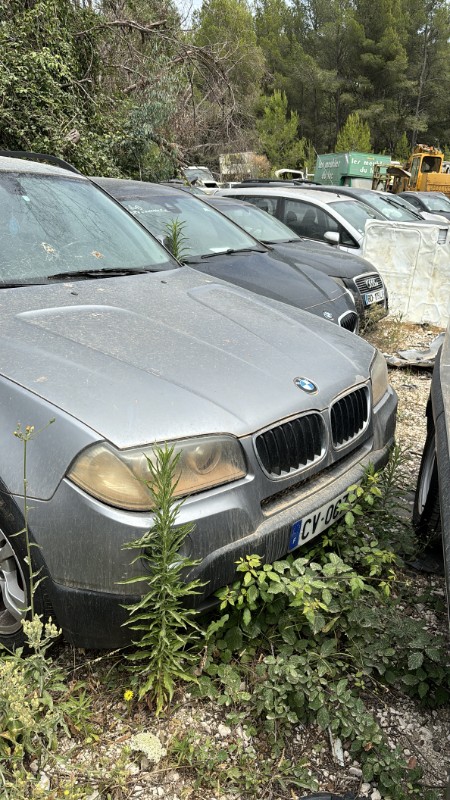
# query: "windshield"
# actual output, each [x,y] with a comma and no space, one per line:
[201,173]
[203,230]
[390,208]
[436,202]
[52,224]
[355,213]
[258,223]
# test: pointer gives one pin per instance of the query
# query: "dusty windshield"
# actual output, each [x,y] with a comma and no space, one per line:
[258,223]
[201,173]
[55,224]
[356,213]
[391,209]
[203,231]
[436,202]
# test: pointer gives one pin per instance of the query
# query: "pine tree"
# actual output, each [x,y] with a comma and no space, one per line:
[354,135]
[279,133]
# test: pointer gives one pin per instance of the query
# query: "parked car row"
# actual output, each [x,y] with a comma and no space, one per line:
[216,246]
[274,411]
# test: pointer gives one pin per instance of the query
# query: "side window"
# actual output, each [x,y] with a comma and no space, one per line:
[302,218]
[331,224]
[345,238]
[414,171]
[268,204]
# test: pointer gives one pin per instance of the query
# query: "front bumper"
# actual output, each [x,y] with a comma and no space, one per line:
[81,539]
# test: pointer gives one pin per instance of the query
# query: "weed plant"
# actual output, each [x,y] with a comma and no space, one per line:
[166,628]
[175,239]
[34,700]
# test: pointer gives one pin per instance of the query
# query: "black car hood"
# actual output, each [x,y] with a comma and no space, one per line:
[324,258]
[275,275]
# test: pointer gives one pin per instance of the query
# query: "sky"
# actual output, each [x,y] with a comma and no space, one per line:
[186,8]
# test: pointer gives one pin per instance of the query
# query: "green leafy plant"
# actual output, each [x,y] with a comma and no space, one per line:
[165,626]
[233,766]
[175,239]
[305,639]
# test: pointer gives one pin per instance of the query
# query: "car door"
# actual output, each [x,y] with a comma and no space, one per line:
[313,222]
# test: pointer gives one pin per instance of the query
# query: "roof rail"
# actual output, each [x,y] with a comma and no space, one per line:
[275,181]
[25,154]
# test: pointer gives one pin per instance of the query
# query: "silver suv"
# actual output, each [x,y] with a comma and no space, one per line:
[274,412]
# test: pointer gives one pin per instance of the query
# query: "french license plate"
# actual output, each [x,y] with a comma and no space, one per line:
[307,528]
[373,297]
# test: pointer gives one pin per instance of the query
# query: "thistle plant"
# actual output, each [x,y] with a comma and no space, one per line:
[165,626]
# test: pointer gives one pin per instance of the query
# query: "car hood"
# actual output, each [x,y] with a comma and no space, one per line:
[278,276]
[166,355]
[435,216]
[325,258]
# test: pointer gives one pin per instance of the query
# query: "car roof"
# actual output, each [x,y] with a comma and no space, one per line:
[221,200]
[289,191]
[11,164]
[423,194]
[129,188]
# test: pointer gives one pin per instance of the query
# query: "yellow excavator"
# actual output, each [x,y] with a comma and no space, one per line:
[422,173]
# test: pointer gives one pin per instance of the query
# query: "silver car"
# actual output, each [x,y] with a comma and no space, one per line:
[275,413]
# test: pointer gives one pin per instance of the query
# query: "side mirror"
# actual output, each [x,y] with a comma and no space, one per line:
[332,237]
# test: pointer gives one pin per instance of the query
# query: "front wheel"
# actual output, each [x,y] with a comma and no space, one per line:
[13,595]
[426,511]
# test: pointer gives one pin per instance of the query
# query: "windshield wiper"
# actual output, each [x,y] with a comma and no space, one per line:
[98,273]
[233,251]
[229,252]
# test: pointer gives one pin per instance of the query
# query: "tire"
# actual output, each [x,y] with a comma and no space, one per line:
[14,578]
[13,595]
[426,511]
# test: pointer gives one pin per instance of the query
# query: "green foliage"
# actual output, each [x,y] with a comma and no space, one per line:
[402,149]
[235,767]
[354,135]
[35,703]
[46,99]
[165,626]
[29,719]
[302,640]
[175,239]
[227,26]
[279,133]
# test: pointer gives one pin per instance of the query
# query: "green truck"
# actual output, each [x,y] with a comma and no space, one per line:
[348,169]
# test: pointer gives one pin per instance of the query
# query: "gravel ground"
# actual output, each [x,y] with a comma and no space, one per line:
[423,735]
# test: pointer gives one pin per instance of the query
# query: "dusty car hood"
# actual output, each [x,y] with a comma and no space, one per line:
[325,258]
[163,355]
[277,276]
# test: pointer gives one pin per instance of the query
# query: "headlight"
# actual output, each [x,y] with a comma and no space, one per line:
[379,377]
[119,477]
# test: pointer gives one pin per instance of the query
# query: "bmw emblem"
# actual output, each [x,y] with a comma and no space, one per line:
[307,385]
[327,315]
